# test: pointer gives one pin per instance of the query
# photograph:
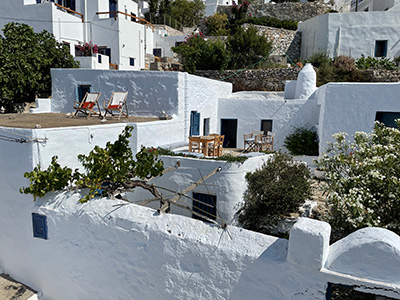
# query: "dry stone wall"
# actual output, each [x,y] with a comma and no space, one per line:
[283,11]
[283,41]
[254,80]
[274,79]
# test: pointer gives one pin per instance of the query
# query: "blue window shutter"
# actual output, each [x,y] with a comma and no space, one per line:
[113,7]
[99,58]
[39,223]
[194,123]
[72,5]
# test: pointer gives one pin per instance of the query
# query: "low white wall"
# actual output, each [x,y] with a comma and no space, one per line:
[158,134]
[228,185]
[102,251]
[250,108]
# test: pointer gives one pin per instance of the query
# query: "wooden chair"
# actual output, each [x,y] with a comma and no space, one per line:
[88,104]
[220,144]
[264,142]
[117,103]
[249,142]
[213,147]
[194,144]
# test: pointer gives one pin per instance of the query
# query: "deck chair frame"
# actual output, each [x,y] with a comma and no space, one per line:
[87,105]
[115,104]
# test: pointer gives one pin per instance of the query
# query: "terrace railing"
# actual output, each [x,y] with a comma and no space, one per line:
[115,15]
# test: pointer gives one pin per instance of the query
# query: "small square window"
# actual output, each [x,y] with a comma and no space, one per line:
[381,48]
[131,61]
[39,223]
[204,205]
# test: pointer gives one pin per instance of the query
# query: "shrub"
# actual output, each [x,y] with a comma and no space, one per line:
[341,69]
[396,60]
[344,63]
[302,141]
[274,191]
[201,54]
[247,47]
[363,184]
[364,63]
[217,24]
[319,59]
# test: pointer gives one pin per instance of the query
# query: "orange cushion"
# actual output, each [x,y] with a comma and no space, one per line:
[113,106]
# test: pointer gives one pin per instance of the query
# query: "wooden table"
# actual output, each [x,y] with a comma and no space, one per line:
[205,141]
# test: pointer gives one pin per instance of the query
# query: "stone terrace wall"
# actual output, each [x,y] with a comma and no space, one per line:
[255,80]
[384,75]
[283,11]
[283,40]
[274,79]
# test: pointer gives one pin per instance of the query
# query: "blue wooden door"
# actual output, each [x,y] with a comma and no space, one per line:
[194,123]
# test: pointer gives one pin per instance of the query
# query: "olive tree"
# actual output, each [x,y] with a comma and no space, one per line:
[26,59]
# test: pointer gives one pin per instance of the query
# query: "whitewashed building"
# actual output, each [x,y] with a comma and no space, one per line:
[374,5]
[374,34]
[106,249]
[122,39]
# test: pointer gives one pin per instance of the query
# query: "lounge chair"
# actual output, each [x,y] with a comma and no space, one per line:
[88,104]
[117,103]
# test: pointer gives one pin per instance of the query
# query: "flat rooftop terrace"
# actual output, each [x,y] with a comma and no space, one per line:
[54,120]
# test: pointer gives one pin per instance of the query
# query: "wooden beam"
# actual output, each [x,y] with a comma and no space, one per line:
[166,206]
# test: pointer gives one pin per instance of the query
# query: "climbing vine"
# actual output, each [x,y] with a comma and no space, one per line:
[108,171]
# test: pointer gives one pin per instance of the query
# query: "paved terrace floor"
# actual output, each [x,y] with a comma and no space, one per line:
[13,290]
[53,120]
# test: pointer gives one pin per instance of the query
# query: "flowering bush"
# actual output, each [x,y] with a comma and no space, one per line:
[239,11]
[364,180]
[88,48]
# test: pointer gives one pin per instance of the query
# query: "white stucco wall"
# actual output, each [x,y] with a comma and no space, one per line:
[374,5]
[307,116]
[350,34]
[149,92]
[252,107]
[361,100]
[228,185]
[102,251]
[92,62]
[166,42]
